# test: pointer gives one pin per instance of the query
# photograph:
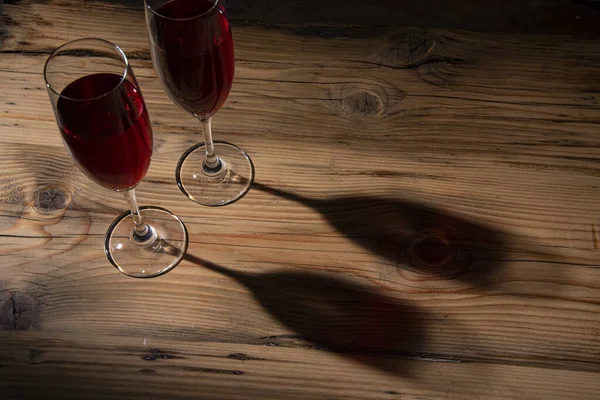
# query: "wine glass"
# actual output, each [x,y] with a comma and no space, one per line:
[105,126]
[192,52]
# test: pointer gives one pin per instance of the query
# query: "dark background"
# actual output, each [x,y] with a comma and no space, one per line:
[531,16]
[572,17]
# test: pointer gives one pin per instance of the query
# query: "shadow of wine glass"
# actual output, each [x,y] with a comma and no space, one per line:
[417,239]
[361,324]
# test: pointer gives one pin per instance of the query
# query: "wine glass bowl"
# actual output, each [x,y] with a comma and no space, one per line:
[193,55]
[112,145]
[106,129]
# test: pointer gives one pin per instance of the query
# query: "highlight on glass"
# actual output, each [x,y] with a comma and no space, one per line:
[192,51]
[106,129]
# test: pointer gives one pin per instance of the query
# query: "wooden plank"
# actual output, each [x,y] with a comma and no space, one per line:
[176,368]
[363,147]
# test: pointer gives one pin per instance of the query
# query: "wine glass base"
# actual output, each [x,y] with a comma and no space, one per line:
[211,188]
[153,257]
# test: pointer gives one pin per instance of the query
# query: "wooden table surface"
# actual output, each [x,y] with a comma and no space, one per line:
[373,144]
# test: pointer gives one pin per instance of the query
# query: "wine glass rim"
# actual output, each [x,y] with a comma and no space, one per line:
[210,10]
[116,47]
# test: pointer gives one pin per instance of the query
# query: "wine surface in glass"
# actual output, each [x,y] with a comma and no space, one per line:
[192,49]
[106,128]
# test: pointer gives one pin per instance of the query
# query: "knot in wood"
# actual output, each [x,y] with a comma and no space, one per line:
[364,103]
[17,312]
[408,49]
[36,356]
[50,199]
[432,254]
[366,98]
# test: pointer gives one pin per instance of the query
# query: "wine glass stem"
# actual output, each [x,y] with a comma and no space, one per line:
[141,230]
[212,163]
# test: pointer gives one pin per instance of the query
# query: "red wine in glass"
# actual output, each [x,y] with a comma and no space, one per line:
[105,126]
[192,51]
[194,58]
[108,136]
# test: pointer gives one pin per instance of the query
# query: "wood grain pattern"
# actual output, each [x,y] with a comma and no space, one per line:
[311,287]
